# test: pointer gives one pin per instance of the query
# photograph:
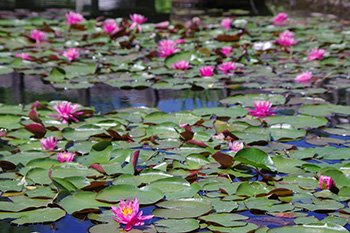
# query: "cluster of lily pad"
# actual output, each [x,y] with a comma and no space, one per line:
[201,169]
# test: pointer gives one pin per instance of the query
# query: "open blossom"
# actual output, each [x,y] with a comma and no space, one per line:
[195,22]
[327,182]
[72,54]
[207,71]
[73,18]
[226,50]
[49,143]
[227,67]
[65,156]
[181,65]
[226,23]
[262,109]
[110,25]
[66,112]
[236,145]
[303,77]
[37,35]
[166,47]
[316,54]
[24,56]
[128,213]
[280,19]
[137,20]
[286,39]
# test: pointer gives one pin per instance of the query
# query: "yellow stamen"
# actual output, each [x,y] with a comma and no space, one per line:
[126,211]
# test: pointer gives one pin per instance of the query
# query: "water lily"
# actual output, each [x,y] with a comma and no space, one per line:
[226,50]
[66,112]
[280,19]
[24,56]
[262,109]
[65,156]
[304,77]
[316,54]
[207,71]
[327,182]
[226,23]
[286,39]
[37,35]
[49,143]
[181,65]
[128,213]
[236,146]
[72,54]
[137,20]
[226,67]
[73,18]
[166,47]
[110,25]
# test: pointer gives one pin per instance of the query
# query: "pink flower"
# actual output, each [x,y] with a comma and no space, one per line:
[65,156]
[303,77]
[195,22]
[166,48]
[137,20]
[226,50]
[24,56]
[207,70]
[227,67]
[236,146]
[110,25]
[327,182]
[280,19]
[73,18]
[262,109]
[37,35]
[181,65]
[315,54]
[180,41]
[66,112]
[286,39]
[226,23]
[49,143]
[127,213]
[71,53]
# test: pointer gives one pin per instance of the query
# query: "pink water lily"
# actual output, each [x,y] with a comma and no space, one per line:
[226,50]
[316,54]
[24,56]
[327,182]
[262,109]
[181,65]
[72,54]
[65,156]
[286,39]
[207,71]
[280,19]
[226,67]
[128,213]
[37,35]
[110,25]
[74,18]
[166,47]
[226,23]
[236,146]
[304,77]
[66,112]
[49,143]
[137,20]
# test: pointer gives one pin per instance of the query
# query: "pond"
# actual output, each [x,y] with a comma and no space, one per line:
[216,124]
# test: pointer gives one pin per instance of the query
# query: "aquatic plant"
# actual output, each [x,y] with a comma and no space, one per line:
[207,71]
[66,112]
[49,143]
[65,156]
[137,20]
[262,109]
[74,18]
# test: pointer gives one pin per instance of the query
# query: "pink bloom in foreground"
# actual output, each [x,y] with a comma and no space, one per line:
[72,54]
[207,71]
[181,65]
[49,143]
[166,48]
[280,19]
[226,23]
[127,213]
[286,39]
[315,54]
[66,112]
[227,67]
[110,25]
[65,156]
[24,56]
[137,20]
[303,77]
[37,35]
[73,18]
[236,145]
[327,182]
[262,109]
[226,50]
